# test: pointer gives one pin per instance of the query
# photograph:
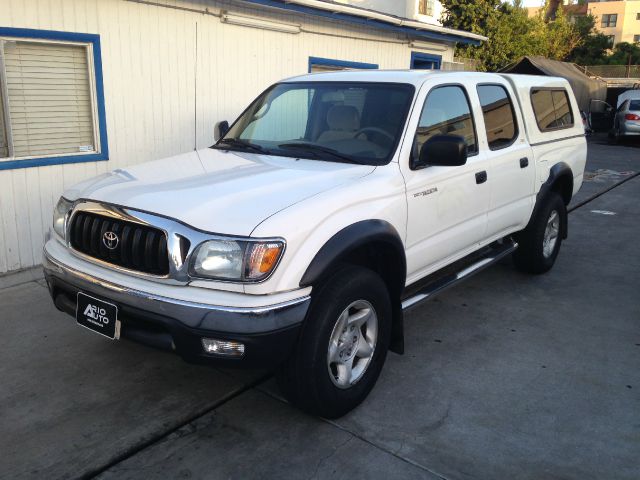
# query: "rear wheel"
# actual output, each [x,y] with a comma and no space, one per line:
[343,344]
[539,243]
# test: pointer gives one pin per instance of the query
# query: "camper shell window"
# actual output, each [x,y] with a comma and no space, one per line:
[552,108]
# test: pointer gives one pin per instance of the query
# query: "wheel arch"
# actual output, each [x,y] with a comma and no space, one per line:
[374,244]
[560,181]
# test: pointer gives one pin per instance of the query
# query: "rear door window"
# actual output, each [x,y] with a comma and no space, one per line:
[552,108]
[499,116]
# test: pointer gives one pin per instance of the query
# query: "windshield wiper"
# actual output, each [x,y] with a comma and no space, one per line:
[237,143]
[316,149]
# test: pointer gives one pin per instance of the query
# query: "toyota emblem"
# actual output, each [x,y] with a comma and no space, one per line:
[110,240]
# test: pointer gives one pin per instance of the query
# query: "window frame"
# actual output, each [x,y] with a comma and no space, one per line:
[552,89]
[473,122]
[608,23]
[429,57]
[340,63]
[94,64]
[612,40]
[516,133]
[427,11]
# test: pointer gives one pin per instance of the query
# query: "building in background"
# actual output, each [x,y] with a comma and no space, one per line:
[428,11]
[92,86]
[618,20]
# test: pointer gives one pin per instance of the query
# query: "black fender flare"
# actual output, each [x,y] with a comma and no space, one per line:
[557,172]
[348,240]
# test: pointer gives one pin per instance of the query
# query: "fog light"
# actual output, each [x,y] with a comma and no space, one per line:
[223,347]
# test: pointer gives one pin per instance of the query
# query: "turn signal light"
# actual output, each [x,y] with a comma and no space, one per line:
[263,258]
[226,348]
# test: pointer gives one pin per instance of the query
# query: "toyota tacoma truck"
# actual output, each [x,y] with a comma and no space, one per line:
[334,203]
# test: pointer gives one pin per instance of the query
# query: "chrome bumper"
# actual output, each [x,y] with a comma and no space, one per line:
[198,316]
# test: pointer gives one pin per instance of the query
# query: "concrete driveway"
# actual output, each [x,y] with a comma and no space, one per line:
[505,376]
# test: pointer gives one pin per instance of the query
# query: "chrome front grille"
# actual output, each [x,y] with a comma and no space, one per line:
[120,242]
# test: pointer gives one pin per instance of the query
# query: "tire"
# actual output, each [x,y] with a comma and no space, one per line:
[308,379]
[538,247]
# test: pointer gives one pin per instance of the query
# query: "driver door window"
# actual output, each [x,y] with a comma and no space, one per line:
[446,112]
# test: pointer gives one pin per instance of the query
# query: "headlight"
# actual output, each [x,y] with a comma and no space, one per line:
[236,260]
[60,216]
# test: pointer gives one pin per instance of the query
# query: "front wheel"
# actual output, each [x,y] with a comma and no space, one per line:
[342,346]
[539,243]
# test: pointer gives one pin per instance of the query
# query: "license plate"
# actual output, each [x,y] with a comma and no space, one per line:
[98,315]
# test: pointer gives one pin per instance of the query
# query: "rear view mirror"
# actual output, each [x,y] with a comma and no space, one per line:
[220,129]
[442,150]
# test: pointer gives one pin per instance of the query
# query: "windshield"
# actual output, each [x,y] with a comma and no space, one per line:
[634,105]
[334,121]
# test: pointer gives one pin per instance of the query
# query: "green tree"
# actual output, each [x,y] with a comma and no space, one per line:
[593,45]
[472,16]
[624,53]
[511,33]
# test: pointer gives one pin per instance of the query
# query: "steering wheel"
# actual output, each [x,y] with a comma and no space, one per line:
[377,130]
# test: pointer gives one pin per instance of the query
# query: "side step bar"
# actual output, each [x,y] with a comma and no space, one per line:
[495,254]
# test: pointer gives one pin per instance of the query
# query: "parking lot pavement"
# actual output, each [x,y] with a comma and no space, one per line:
[256,436]
[71,401]
[608,165]
[505,376]
[513,376]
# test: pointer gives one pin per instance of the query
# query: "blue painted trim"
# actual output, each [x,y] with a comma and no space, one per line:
[339,63]
[368,23]
[102,118]
[427,57]
[43,162]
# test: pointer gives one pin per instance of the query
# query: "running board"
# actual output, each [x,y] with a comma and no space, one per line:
[495,254]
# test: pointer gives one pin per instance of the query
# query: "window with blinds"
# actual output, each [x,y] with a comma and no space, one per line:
[4,147]
[49,99]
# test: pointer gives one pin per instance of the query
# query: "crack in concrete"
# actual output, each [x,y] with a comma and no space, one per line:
[599,194]
[387,450]
[327,457]
[162,436]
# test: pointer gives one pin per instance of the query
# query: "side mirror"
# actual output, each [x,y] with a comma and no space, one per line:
[443,151]
[220,129]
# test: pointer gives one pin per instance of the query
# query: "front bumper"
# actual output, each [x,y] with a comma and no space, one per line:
[268,332]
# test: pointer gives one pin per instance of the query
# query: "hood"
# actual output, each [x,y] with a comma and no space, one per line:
[215,190]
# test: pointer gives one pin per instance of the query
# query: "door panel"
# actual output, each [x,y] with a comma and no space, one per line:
[447,214]
[447,207]
[512,166]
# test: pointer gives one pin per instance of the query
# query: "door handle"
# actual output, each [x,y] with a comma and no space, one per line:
[524,162]
[481,177]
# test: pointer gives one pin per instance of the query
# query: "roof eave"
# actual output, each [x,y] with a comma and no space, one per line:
[373,19]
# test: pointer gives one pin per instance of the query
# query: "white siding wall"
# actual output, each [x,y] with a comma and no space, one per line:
[153,106]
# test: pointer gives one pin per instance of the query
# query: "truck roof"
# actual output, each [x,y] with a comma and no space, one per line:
[417,77]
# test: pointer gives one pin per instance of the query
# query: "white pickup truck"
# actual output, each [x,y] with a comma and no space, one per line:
[335,202]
